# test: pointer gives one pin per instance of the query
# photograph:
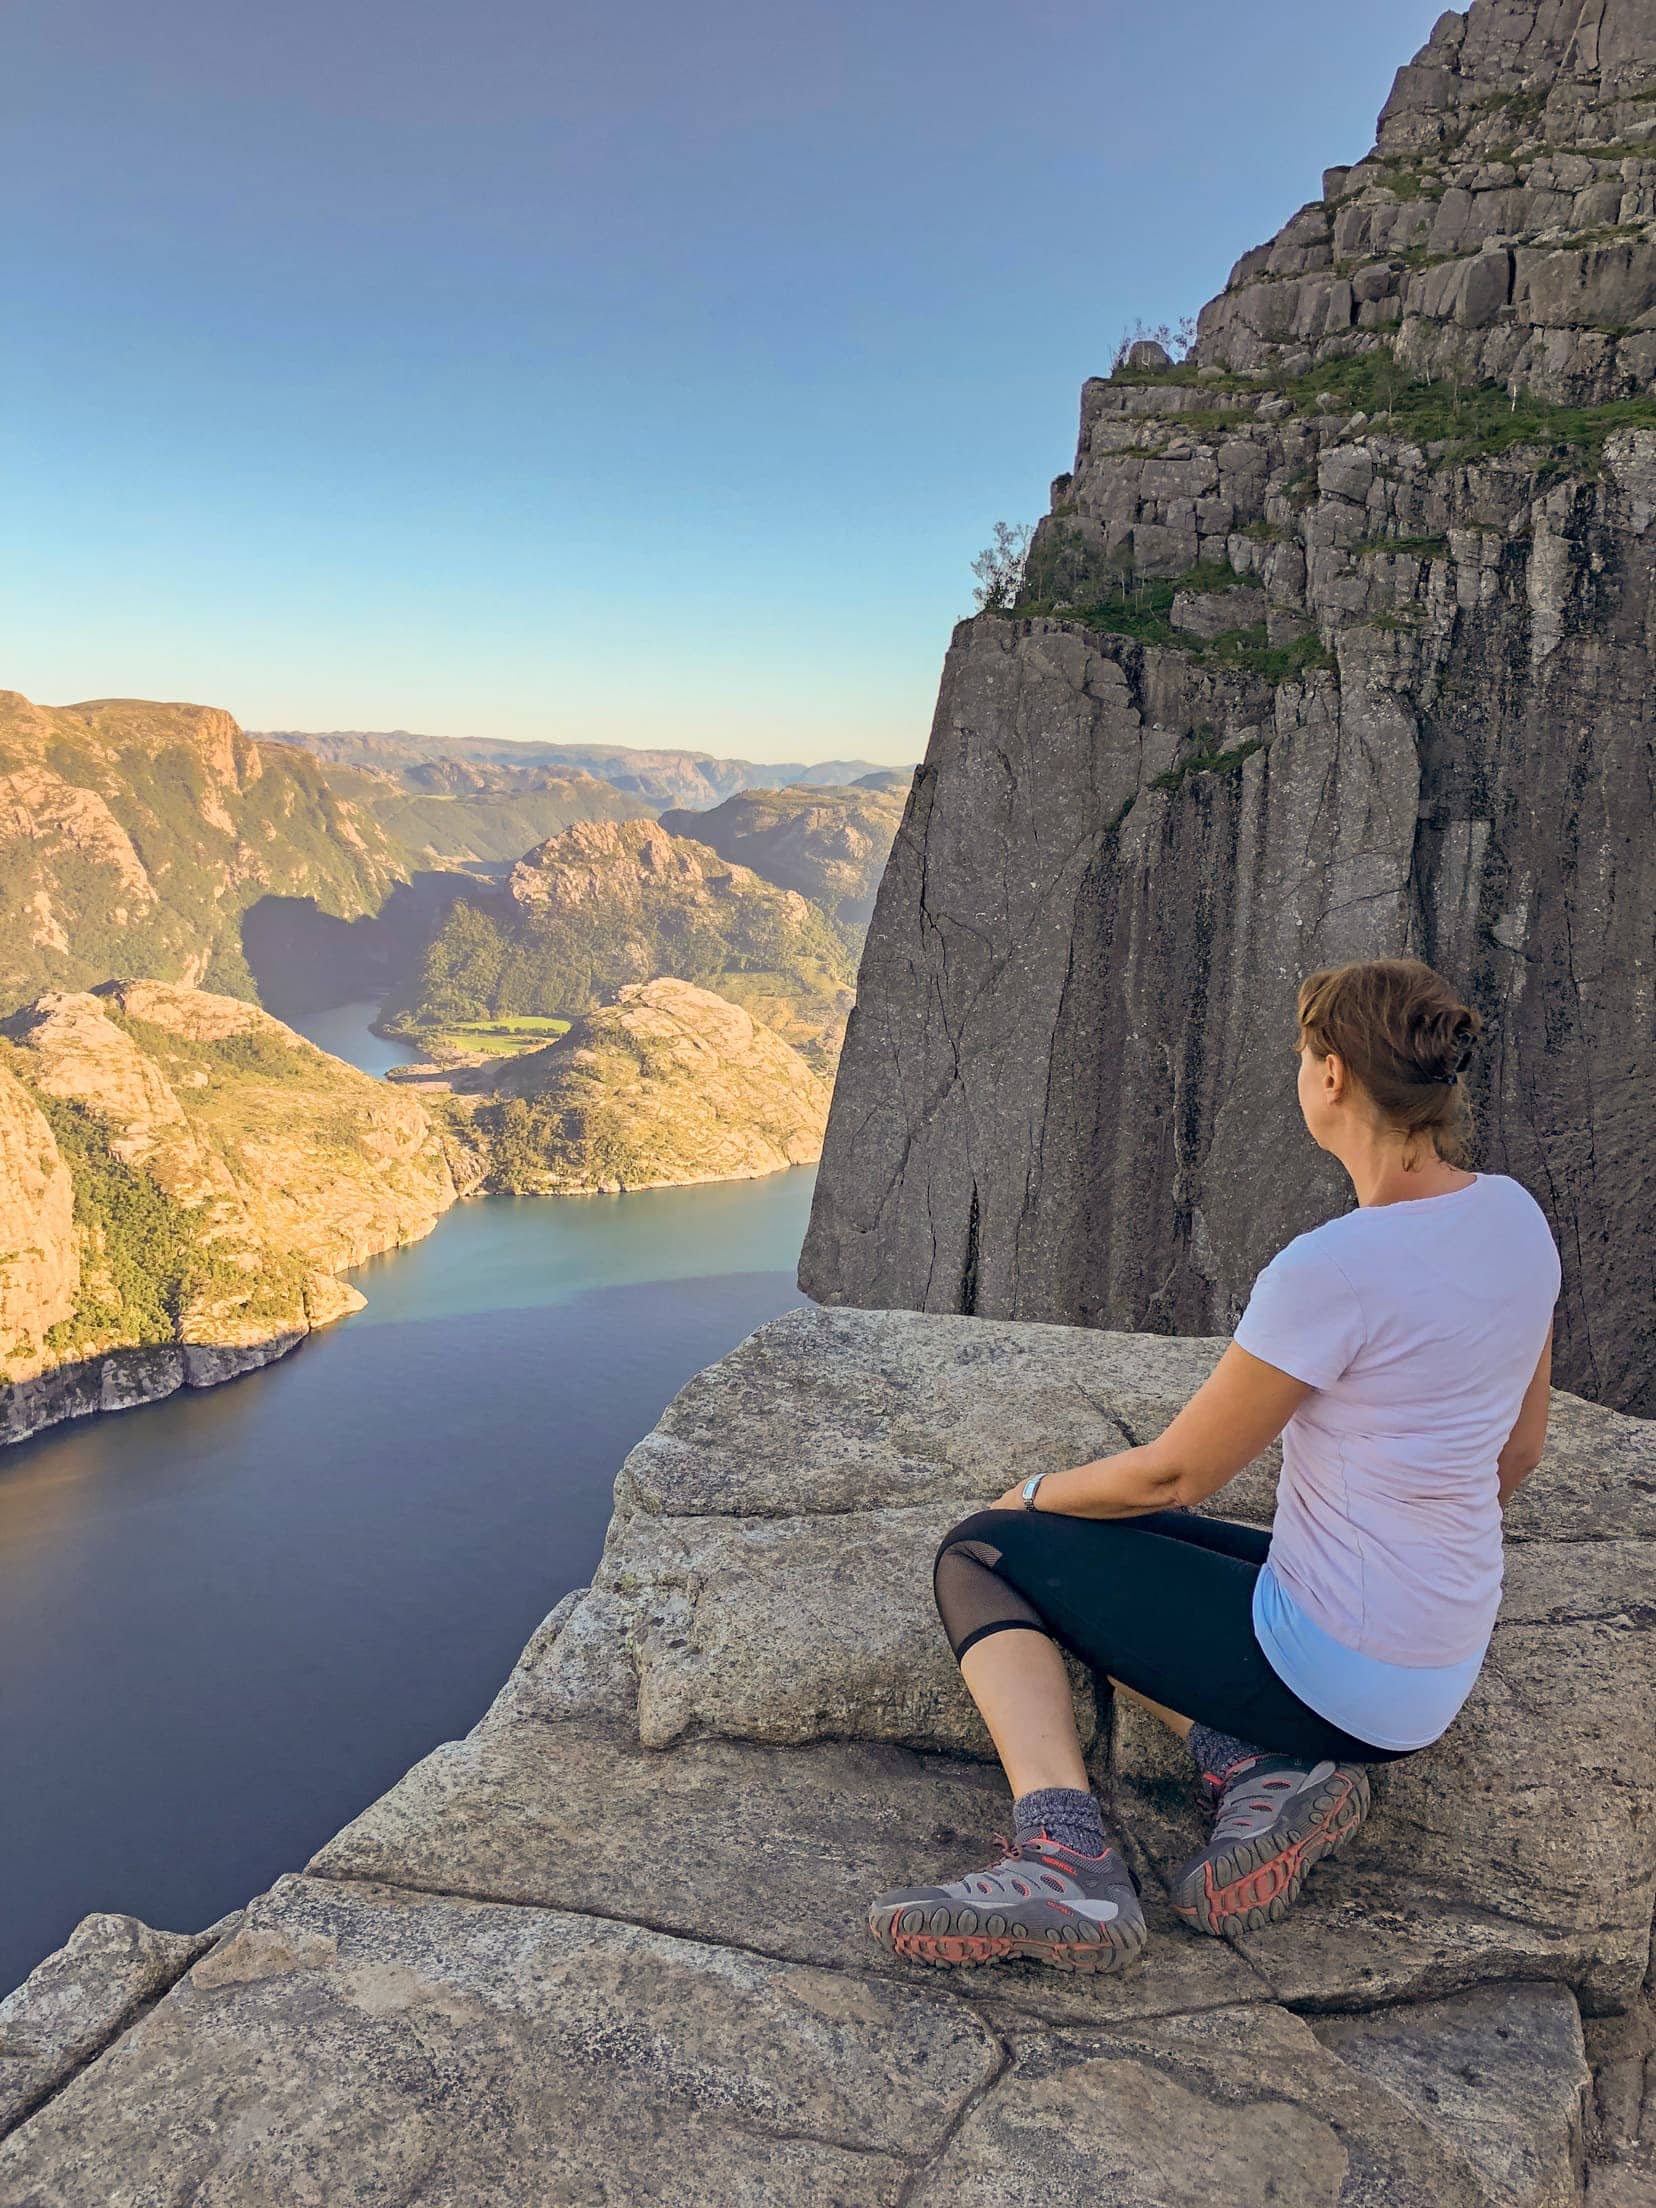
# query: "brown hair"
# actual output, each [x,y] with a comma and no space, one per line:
[1405,1037]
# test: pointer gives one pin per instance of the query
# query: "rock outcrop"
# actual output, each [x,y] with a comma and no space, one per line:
[1336,642]
[666,1085]
[181,1179]
[134,836]
[829,844]
[611,1948]
[612,902]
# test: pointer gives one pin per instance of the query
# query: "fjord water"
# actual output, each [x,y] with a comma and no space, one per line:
[230,1619]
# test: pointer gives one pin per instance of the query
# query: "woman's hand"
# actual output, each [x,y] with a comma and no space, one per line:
[1238,1410]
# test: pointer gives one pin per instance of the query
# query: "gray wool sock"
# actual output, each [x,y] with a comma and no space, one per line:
[1067,1814]
[1214,1752]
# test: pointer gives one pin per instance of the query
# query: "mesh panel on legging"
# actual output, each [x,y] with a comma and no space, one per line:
[972,1600]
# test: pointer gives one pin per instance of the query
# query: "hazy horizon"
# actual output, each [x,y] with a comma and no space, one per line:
[529,374]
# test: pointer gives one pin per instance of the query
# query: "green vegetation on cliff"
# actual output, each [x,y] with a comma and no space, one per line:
[179,1169]
[144,1259]
[1469,418]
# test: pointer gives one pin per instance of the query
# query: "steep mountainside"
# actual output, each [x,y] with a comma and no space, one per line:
[1336,642]
[607,903]
[180,1179]
[454,810]
[669,1084]
[829,844]
[694,778]
[134,835]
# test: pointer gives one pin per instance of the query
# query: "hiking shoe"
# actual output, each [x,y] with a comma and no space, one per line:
[1041,1899]
[1274,1816]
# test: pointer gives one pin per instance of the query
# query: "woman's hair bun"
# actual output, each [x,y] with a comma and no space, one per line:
[1441,1045]
[1406,1035]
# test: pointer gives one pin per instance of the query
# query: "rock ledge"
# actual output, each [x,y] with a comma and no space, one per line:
[610,1947]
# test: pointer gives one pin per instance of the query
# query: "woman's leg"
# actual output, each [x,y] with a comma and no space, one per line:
[1019,1682]
[1162,1605]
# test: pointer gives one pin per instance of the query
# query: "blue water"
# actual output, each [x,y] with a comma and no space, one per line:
[344,1030]
[230,1619]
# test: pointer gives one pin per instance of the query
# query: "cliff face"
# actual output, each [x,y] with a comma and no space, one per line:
[135,835]
[1331,646]
[181,1177]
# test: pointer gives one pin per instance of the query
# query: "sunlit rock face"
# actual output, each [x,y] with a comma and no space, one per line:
[182,1178]
[1335,643]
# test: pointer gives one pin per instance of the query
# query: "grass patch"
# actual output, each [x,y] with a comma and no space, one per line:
[1472,420]
[1207,758]
[1143,615]
[1141,610]
[1250,650]
[1416,548]
[503,1038]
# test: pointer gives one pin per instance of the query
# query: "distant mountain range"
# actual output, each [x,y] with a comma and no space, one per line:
[159,840]
[829,844]
[696,779]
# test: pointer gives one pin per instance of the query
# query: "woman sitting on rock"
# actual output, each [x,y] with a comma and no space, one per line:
[1403,1352]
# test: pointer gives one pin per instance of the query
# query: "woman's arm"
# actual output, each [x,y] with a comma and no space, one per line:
[1522,1453]
[1238,1410]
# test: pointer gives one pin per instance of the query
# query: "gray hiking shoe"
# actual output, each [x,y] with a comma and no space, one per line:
[1041,1899]
[1274,1816]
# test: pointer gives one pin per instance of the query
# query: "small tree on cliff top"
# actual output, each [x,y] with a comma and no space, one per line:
[999,568]
[1174,338]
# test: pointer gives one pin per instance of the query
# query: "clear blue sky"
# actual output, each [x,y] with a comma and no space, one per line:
[643,373]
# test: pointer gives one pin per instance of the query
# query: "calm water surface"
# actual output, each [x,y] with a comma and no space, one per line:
[229,1620]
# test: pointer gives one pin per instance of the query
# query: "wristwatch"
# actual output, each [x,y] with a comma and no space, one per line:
[1028,1489]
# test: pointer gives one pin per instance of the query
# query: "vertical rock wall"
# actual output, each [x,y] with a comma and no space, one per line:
[1335,643]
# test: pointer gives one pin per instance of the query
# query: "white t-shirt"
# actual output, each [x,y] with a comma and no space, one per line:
[1419,1324]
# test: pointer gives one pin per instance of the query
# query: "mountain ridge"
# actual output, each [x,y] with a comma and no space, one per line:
[665,774]
[134,834]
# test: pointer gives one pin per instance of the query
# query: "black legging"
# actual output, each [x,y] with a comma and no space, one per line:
[1162,1602]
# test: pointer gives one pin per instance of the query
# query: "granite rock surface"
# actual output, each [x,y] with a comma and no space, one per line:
[611,1947]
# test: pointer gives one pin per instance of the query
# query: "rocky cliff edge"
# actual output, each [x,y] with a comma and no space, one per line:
[610,1948]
